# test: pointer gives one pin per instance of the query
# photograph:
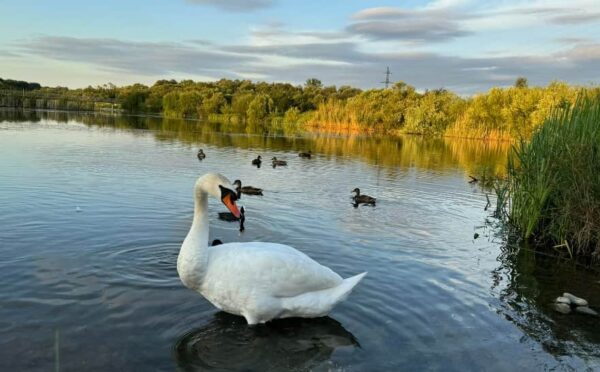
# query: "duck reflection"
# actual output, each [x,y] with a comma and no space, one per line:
[227,343]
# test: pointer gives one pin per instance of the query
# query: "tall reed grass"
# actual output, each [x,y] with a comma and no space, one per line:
[554,180]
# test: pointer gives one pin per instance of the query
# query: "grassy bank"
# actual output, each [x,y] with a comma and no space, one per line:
[553,184]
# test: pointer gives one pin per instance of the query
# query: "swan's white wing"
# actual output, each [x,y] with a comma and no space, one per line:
[277,269]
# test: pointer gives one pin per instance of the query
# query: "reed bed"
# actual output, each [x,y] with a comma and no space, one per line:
[554,181]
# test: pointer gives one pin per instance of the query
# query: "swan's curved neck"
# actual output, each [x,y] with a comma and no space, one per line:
[193,256]
[200,222]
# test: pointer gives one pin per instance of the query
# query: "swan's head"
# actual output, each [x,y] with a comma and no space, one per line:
[218,186]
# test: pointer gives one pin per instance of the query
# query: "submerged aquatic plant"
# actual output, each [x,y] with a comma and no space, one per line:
[554,180]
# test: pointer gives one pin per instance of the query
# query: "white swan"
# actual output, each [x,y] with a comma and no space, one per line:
[259,281]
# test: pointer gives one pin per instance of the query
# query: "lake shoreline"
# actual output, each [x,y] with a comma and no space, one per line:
[305,128]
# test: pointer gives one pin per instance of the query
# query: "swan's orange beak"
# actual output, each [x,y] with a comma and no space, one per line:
[230,204]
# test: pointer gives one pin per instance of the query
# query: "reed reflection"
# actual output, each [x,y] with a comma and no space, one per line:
[391,153]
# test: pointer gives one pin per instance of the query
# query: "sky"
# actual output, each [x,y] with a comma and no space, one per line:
[466,46]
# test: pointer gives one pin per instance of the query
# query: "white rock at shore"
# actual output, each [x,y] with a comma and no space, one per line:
[563,300]
[586,310]
[562,308]
[575,300]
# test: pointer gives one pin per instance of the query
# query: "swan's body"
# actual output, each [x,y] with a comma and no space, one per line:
[259,281]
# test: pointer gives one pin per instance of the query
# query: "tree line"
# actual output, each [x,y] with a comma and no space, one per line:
[18,84]
[501,113]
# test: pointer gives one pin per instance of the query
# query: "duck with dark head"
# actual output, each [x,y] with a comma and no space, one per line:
[257,161]
[278,162]
[248,190]
[306,155]
[362,199]
[230,217]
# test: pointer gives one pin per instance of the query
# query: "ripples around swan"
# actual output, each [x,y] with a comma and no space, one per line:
[92,216]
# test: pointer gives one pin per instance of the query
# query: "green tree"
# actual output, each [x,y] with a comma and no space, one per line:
[521,82]
[189,103]
[240,103]
[313,83]
[259,108]
[214,104]
[133,98]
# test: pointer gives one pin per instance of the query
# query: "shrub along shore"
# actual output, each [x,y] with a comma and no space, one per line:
[501,113]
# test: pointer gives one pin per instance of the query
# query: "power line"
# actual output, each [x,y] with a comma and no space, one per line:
[387,77]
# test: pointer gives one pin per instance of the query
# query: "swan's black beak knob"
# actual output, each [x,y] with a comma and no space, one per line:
[228,197]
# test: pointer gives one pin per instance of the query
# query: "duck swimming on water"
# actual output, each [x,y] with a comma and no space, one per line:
[201,154]
[230,217]
[257,161]
[306,155]
[249,190]
[362,199]
[278,162]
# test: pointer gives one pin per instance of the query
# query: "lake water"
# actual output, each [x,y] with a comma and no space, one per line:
[93,210]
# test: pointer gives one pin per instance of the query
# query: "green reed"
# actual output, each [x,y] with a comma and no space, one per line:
[554,180]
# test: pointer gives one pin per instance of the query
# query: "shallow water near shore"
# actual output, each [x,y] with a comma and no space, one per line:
[93,210]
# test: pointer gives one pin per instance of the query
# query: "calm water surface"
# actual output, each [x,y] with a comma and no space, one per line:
[93,210]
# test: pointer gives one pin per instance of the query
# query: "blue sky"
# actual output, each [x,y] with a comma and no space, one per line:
[464,45]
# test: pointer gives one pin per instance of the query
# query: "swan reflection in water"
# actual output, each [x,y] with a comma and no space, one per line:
[227,343]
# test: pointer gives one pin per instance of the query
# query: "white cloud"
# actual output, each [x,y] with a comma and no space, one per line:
[335,63]
[410,41]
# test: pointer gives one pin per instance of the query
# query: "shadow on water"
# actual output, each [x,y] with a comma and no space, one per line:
[228,344]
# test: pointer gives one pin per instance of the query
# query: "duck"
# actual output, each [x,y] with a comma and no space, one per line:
[259,281]
[305,154]
[216,242]
[249,190]
[362,199]
[257,161]
[230,217]
[278,162]
[201,154]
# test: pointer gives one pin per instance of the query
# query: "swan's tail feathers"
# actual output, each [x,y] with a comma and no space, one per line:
[320,303]
[342,291]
